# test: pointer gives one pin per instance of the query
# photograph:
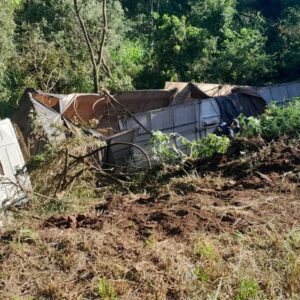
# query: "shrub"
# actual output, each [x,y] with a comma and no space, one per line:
[251,126]
[275,122]
[164,149]
[280,120]
[209,146]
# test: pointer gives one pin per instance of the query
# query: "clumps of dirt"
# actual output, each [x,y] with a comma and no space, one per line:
[246,156]
[177,222]
[195,203]
[240,145]
[165,216]
[7,236]
[74,221]
[198,203]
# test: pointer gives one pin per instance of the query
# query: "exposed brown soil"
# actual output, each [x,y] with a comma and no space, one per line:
[277,157]
[172,215]
[74,221]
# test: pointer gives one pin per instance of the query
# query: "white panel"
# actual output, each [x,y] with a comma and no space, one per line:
[210,130]
[48,118]
[144,119]
[191,136]
[5,162]
[197,113]
[168,130]
[210,121]
[162,119]
[129,124]
[210,114]
[141,138]
[11,160]
[65,101]
[184,114]
[15,157]
[7,134]
[208,109]
[215,106]
[182,130]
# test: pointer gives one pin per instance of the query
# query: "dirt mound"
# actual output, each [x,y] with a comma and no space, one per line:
[166,216]
[176,220]
[279,157]
[190,208]
[73,221]
[147,214]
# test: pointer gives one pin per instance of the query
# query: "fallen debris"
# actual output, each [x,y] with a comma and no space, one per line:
[14,179]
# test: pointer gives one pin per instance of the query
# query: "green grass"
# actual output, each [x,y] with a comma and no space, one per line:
[106,290]
[247,290]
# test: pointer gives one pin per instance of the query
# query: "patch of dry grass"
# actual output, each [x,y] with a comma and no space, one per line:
[52,263]
[244,243]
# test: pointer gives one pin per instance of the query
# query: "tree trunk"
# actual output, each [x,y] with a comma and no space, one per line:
[96,63]
[96,79]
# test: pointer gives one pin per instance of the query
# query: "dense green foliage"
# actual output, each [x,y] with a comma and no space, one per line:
[148,42]
[275,122]
[278,121]
[173,148]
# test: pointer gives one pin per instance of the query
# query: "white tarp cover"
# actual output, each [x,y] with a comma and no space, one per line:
[11,161]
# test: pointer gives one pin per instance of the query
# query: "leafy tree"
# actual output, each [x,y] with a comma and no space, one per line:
[289,35]
[148,42]
[41,63]
[7,49]
[241,58]
[6,34]
[214,15]
[127,62]
[177,45]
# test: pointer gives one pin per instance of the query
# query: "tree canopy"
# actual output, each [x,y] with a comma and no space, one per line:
[146,43]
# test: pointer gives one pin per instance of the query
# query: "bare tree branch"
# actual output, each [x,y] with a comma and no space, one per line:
[89,45]
[106,69]
[104,32]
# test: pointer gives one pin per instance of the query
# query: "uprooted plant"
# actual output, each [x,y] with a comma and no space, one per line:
[174,148]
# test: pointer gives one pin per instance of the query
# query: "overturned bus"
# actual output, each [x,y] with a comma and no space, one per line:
[125,120]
